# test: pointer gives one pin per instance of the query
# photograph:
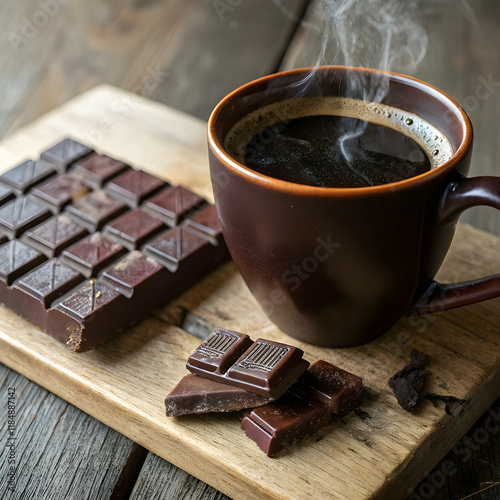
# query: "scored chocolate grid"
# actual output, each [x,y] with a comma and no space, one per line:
[263,357]
[217,345]
[65,170]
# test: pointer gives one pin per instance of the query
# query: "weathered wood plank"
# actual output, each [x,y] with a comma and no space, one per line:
[185,53]
[462,59]
[59,451]
[373,458]
[161,479]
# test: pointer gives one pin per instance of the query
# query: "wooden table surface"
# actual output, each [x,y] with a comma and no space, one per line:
[189,54]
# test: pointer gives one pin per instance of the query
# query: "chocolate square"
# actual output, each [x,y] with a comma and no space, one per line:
[91,254]
[49,281]
[53,236]
[134,228]
[21,214]
[205,224]
[60,191]
[6,194]
[95,170]
[28,174]
[174,246]
[95,210]
[16,259]
[173,204]
[134,270]
[134,186]
[66,152]
[220,351]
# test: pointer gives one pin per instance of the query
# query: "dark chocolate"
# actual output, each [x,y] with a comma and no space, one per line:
[92,254]
[173,204]
[324,393]
[408,382]
[95,210]
[28,174]
[195,394]
[54,235]
[134,228]
[123,284]
[57,192]
[267,368]
[95,170]
[16,259]
[134,186]
[21,214]
[66,152]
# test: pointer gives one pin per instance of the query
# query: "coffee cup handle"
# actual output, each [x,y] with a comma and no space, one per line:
[462,193]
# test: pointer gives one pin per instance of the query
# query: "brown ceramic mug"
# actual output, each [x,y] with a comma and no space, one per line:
[339,266]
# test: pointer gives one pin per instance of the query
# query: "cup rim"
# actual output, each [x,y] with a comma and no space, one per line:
[303,189]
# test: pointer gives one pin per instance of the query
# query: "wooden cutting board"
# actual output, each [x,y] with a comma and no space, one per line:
[381,453]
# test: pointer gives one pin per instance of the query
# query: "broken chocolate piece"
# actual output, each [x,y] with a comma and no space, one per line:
[267,368]
[195,394]
[407,383]
[449,401]
[304,409]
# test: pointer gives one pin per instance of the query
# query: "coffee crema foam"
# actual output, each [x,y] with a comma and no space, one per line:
[426,135]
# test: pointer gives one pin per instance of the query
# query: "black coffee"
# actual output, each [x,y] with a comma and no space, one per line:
[335,151]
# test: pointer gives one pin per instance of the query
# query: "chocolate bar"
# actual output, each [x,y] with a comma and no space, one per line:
[83,258]
[264,367]
[324,393]
[194,394]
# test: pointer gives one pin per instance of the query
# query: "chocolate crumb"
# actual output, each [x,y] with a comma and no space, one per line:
[450,401]
[363,415]
[408,382]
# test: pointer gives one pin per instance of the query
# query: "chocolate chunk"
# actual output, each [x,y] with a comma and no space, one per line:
[451,402]
[267,368]
[134,228]
[54,235]
[407,383]
[339,389]
[95,170]
[16,259]
[134,186]
[283,423]
[95,210]
[28,174]
[195,394]
[66,152]
[173,205]
[92,254]
[59,191]
[49,281]
[21,214]
[322,394]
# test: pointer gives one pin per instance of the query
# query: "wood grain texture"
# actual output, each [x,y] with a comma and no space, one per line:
[60,452]
[462,59]
[383,456]
[161,479]
[185,53]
